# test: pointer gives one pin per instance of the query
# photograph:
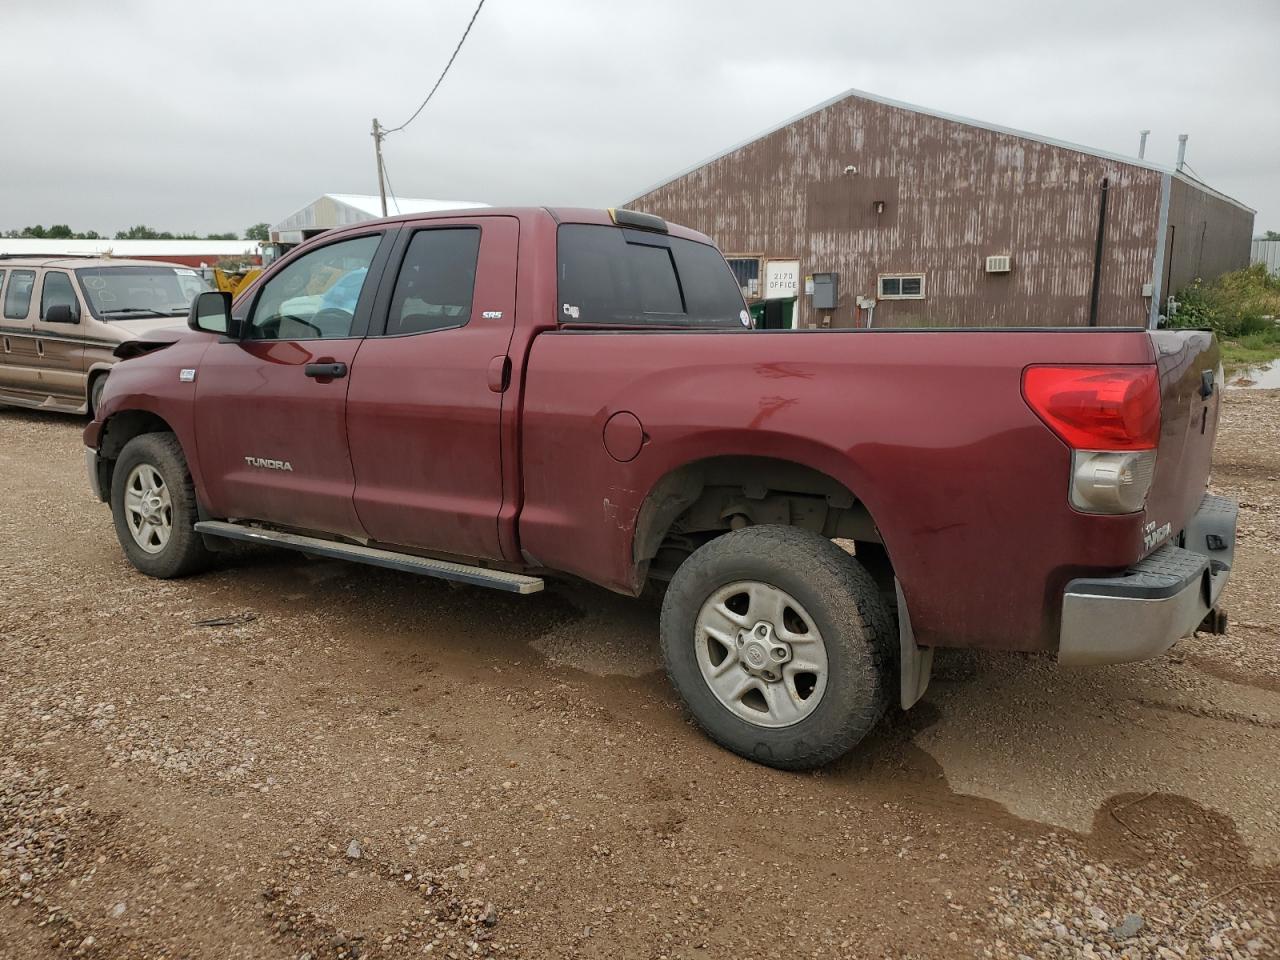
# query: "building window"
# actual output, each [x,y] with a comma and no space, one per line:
[747,270]
[901,286]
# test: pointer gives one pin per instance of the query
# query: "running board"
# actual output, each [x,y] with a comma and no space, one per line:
[443,569]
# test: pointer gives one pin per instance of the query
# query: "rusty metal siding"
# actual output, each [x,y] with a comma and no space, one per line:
[953,194]
[1207,236]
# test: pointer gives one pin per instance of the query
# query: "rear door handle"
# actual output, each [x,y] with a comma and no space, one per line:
[326,371]
[499,373]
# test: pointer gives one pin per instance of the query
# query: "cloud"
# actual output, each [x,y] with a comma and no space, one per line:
[190,118]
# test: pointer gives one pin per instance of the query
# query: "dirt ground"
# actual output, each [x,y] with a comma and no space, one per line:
[298,759]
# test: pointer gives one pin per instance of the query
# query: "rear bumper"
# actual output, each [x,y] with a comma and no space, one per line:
[1159,600]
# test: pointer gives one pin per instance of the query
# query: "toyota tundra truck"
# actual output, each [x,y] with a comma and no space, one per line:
[497,396]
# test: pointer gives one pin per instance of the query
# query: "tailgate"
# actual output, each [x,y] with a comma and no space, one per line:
[1188,366]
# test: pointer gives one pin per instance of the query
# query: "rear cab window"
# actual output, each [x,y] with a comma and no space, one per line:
[628,277]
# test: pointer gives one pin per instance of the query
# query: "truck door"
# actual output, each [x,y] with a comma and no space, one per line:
[270,408]
[424,407]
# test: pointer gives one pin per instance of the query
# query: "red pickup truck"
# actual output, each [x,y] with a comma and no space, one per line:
[496,395]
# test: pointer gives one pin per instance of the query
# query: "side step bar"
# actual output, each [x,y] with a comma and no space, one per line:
[443,569]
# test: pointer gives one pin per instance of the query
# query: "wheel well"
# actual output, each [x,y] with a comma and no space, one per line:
[704,499]
[118,431]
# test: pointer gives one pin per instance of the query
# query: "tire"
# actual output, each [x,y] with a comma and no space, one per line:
[180,551]
[823,598]
[96,387]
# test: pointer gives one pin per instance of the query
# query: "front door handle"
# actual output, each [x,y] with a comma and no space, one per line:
[326,371]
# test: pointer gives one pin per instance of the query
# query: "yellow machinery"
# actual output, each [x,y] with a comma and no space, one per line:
[233,281]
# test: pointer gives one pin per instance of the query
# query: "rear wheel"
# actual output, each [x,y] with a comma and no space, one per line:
[780,644]
[153,504]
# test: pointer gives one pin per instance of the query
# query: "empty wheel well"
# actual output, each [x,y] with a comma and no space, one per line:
[702,500]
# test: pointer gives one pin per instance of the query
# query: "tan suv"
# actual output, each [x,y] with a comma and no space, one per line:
[61,318]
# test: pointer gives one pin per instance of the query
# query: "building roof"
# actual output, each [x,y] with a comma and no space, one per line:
[80,261]
[44,247]
[397,205]
[967,121]
[338,209]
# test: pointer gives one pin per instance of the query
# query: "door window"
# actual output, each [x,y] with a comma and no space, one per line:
[17,299]
[57,290]
[436,282]
[315,296]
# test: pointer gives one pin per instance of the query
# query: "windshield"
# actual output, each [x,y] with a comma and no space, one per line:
[126,293]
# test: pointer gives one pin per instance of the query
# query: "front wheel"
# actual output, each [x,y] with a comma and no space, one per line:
[780,644]
[153,504]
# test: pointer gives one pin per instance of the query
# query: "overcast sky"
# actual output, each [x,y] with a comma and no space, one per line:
[193,116]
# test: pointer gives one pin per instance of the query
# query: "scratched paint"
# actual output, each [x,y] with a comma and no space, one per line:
[952,194]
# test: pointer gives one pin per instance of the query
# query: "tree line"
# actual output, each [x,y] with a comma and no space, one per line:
[61,231]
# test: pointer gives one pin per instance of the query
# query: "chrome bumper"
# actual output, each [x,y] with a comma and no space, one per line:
[91,465]
[1159,600]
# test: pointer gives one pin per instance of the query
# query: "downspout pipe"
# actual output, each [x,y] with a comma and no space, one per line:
[1097,253]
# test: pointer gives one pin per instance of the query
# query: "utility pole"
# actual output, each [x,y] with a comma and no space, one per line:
[377,152]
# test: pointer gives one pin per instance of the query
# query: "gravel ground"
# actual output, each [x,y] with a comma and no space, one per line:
[350,762]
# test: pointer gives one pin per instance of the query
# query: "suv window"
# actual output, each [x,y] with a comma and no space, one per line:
[17,299]
[615,275]
[315,296]
[57,290]
[436,281]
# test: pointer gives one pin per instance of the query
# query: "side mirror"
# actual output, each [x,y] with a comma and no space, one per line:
[211,313]
[62,313]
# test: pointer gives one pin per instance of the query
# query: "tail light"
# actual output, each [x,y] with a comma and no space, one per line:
[1110,418]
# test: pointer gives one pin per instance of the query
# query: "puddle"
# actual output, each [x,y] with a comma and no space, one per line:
[1264,377]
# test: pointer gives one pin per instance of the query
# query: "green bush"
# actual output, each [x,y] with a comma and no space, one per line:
[1233,306]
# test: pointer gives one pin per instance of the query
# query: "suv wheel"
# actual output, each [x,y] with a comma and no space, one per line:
[780,644]
[153,503]
[95,394]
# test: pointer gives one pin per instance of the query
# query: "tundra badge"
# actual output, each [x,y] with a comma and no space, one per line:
[269,464]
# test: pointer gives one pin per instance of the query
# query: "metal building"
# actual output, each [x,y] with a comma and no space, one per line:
[1266,252]
[869,211]
[339,209]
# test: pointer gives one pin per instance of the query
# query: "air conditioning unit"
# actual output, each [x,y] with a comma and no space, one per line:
[1001,264]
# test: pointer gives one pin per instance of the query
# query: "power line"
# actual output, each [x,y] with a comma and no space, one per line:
[470,23]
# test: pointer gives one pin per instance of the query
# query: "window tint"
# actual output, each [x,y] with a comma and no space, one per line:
[57,290]
[436,281]
[315,296]
[613,275]
[17,298]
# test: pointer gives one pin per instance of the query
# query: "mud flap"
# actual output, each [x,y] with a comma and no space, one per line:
[915,662]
